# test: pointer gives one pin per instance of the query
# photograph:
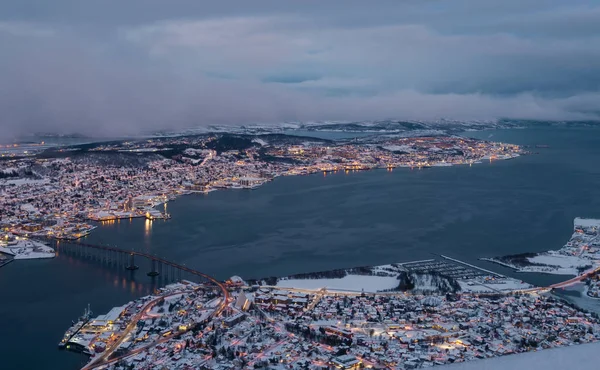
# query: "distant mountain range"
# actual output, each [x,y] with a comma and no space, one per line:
[400,127]
[410,127]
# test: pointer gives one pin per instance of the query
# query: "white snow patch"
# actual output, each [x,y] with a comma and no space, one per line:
[398,148]
[19,182]
[10,170]
[260,141]
[354,283]
[586,222]
[560,264]
[580,357]
[479,285]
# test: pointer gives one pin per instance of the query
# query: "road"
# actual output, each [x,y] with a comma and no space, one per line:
[105,359]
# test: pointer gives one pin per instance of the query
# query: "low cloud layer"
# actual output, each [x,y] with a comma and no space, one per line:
[115,68]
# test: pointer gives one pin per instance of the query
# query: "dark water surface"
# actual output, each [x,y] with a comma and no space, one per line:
[310,223]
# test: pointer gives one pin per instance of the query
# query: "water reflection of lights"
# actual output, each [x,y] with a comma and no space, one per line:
[147,227]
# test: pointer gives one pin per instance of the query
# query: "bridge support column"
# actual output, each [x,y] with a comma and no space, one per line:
[131,265]
[153,271]
[159,268]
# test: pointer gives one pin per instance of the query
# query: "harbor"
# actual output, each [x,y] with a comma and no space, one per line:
[5,260]
[66,343]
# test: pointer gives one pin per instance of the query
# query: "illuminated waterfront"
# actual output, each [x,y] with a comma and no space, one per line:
[307,223]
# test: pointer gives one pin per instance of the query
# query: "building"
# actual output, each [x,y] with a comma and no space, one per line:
[334,330]
[251,181]
[233,320]
[144,201]
[109,318]
[242,302]
[346,362]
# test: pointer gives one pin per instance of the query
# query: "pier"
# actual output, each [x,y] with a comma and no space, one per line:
[6,261]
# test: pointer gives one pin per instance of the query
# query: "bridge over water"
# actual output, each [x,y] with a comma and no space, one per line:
[116,257]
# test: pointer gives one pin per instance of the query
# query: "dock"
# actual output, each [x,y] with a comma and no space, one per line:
[472,266]
[6,261]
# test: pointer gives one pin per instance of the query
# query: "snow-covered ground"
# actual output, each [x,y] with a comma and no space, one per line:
[587,222]
[28,249]
[354,283]
[259,141]
[19,182]
[581,357]
[559,264]
[388,277]
[491,286]
[399,148]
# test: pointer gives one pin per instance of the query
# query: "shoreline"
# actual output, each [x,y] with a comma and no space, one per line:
[174,196]
[579,256]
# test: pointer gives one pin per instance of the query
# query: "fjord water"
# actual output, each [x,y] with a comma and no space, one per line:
[319,222]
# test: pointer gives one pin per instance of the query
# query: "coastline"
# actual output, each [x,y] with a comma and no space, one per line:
[579,256]
[177,194]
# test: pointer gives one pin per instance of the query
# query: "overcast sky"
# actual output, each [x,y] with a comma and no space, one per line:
[113,67]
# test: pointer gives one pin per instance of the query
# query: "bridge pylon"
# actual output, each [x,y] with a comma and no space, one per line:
[153,271]
[132,266]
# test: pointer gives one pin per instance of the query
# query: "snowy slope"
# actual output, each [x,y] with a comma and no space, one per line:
[582,357]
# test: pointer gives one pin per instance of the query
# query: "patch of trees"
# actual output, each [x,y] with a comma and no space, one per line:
[521,259]
[230,142]
[334,274]
[430,281]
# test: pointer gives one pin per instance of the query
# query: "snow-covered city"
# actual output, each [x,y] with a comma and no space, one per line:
[302,327]
[58,192]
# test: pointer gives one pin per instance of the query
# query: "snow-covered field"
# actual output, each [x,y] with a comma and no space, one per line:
[580,357]
[354,283]
[498,285]
[559,264]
